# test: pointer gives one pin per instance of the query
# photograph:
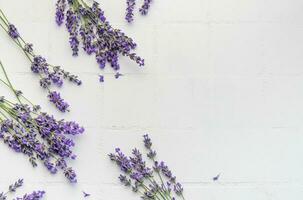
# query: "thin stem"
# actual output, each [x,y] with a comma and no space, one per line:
[4,16]
[8,81]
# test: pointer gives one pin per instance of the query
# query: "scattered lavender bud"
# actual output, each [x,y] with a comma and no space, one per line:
[85,194]
[101,78]
[117,75]
[216,177]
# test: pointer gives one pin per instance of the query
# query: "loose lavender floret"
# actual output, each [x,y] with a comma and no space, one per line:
[49,75]
[101,78]
[85,194]
[88,25]
[157,182]
[117,75]
[130,10]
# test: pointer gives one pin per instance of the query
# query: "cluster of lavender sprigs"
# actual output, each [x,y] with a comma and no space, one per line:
[36,134]
[87,24]
[130,6]
[153,183]
[49,74]
[35,195]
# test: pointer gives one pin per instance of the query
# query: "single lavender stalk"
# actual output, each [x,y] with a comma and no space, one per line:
[35,195]
[130,10]
[36,134]
[141,179]
[12,188]
[49,74]
[87,25]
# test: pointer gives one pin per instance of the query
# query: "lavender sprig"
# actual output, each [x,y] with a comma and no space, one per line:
[157,182]
[36,134]
[87,25]
[130,10]
[145,7]
[36,195]
[130,6]
[49,74]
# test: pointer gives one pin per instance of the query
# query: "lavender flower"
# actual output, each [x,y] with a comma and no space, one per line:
[49,75]
[60,8]
[12,31]
[145,7]
[12,188]
[150,182]
[101,78]
[130,6]
[88,25]
[55,98]
[36,195]
[117,75]
[130,10]
[85,194]
[38,135]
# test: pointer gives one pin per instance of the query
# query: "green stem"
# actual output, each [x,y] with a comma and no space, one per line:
[8,81]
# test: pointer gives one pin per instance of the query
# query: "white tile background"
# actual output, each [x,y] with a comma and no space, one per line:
[222,92]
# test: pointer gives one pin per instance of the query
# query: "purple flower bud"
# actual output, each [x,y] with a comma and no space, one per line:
[117,75]
[145,7]
[130,10]
[55,98]
[60,8]
[101,78]
[70,175]
[12,31]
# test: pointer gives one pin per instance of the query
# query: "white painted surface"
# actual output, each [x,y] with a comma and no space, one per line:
[222,92]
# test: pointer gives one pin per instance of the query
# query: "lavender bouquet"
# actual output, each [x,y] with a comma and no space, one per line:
[36,134]
[35,195]
[87,24]
[130,6]
[49,74]
[153,183]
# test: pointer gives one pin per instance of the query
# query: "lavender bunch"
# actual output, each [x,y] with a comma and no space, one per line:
[88,25]
[157,182]
[36,134]
[130,6]
[49,74]
[35,195]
